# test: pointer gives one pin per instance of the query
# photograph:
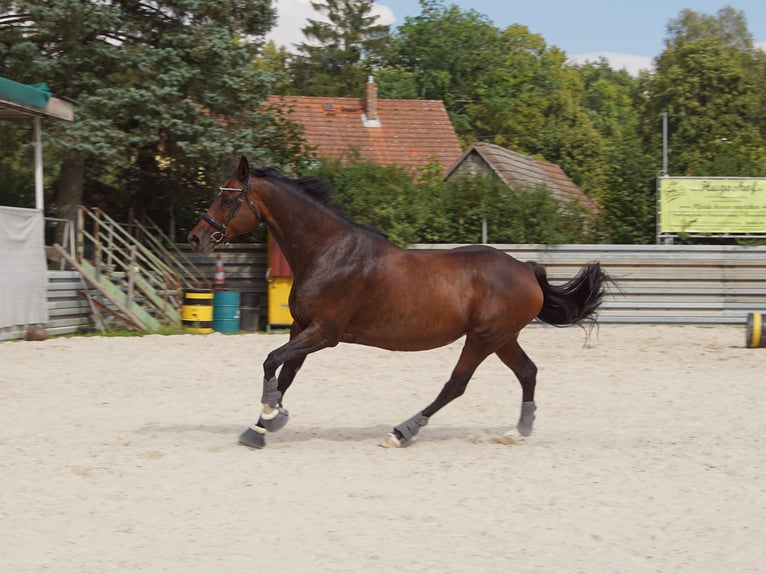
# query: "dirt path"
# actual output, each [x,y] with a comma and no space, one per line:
[121,455]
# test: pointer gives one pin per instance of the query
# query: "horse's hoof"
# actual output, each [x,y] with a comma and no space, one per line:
[391,441]
[252,438]
[512,436]
[524,430]
[527,418]
[275,420]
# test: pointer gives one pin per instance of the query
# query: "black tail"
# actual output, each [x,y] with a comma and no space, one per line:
[574,301]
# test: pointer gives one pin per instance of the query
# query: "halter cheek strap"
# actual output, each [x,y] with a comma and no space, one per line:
[221,235]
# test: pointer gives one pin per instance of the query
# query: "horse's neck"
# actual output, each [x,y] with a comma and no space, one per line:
[302,228]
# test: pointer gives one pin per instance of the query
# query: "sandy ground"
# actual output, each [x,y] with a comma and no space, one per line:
[121,455]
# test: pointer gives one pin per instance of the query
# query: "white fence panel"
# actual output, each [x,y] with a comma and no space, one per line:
[701,284]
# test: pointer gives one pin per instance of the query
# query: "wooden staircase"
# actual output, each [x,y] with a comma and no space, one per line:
[135,278]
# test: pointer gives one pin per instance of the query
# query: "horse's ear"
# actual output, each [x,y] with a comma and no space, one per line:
[243,169]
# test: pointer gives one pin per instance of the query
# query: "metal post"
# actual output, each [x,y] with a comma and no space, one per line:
[39,196]
[664,143]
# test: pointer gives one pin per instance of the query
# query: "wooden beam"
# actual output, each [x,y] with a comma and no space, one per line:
[93,281]
[99,306]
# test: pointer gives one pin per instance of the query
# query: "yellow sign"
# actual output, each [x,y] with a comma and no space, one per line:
[712,205]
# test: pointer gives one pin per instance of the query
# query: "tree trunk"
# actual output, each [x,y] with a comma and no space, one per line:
[70,190]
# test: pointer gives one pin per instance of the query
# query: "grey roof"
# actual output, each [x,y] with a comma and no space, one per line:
[519,171]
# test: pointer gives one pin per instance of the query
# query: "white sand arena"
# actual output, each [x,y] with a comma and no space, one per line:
[121,455]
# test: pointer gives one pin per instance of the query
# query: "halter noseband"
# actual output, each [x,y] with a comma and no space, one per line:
[221,235]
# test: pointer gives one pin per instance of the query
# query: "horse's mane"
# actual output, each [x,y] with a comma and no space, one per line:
[315,187]
[318,189]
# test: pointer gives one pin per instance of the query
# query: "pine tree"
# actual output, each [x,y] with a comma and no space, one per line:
[341,51]
[166,91]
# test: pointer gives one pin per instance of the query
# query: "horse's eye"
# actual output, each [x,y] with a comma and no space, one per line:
[227,201]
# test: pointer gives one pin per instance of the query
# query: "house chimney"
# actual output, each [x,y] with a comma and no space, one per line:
[371,100]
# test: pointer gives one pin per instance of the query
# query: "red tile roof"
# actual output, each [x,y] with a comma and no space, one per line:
[407,133]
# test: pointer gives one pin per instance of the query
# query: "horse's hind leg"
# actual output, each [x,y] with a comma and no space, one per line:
[526,371]
[472,355]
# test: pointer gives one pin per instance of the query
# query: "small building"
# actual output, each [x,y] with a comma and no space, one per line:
[405,133]
[23,268]
[520,171]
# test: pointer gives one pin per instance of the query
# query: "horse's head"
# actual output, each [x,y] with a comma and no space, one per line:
[224,219]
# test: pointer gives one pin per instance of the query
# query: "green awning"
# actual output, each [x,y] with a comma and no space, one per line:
[19,101]
[31,95]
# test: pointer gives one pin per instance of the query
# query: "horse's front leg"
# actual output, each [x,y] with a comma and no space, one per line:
[274,416]
[290,356]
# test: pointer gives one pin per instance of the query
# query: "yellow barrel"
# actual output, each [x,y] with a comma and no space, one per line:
[755,336]
[197,311]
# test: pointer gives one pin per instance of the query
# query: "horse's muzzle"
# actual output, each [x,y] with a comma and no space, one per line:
[202,243]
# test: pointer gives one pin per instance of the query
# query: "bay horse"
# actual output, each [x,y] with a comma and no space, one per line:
[352,285]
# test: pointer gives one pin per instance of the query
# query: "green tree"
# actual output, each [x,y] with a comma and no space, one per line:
[436,222]
[513,215]
[628,202]
[427,209]
[515,92]
[340,52]
[17,164]
[166,90]
[380,196]
[444,54]
[275,60]
[710,81]
[506,87]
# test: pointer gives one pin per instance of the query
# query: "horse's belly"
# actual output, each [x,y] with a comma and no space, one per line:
[398,330]
[433,299]
[396,342]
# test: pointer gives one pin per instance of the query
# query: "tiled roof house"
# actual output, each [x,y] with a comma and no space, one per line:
[519,171]
[406,133]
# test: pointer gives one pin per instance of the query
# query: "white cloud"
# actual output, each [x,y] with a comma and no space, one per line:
[631,62]
[617,60]
[385,14]
[291,17]
[294,14]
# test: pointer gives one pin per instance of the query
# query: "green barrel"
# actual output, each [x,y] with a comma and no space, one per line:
[226,311]
[197,311]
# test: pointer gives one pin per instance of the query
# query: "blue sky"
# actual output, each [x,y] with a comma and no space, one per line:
[629,34]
